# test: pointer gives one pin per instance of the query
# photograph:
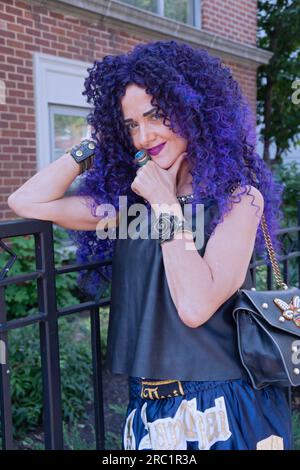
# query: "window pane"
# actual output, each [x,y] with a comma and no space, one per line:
[180,10]
[68,131]
[150,5]
[68,127]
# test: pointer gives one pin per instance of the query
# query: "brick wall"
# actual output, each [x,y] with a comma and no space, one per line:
[232,19]
[236,20]
[27,27]
[246,76]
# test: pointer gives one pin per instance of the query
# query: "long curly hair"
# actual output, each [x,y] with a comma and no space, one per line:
[204,104]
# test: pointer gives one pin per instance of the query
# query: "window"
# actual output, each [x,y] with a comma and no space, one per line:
[61,111]
[149,5]
[185,11]
[67,127]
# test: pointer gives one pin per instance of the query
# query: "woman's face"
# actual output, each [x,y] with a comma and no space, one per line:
[149,131]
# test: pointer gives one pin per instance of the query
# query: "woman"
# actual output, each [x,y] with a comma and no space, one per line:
[171,329]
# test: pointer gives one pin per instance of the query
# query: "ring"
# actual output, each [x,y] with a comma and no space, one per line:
[142,157]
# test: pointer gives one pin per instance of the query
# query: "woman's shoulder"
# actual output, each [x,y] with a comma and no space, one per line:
[252,196]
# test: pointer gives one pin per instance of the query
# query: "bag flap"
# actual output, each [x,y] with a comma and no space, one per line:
[247,299]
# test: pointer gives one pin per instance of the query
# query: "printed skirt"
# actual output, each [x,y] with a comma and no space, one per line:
[201,415]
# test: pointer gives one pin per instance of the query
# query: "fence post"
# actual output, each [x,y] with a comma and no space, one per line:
[5,395]
[49,339]
[97,379]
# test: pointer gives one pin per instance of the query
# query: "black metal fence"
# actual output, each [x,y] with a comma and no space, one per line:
[47,319]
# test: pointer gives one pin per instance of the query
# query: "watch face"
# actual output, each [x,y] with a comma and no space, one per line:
[166,225]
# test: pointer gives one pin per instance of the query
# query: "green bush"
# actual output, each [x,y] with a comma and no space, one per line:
[26,378]
[26,385]
[21,298]
[289,175]
[76,367]
[296,429]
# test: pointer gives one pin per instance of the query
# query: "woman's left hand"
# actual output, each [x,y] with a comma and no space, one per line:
[155,184]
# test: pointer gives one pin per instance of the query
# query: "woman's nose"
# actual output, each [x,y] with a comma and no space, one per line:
[146,136]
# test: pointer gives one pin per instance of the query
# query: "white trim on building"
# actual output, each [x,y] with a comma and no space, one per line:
[57,81]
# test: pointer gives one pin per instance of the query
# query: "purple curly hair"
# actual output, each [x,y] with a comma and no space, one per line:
[203,104]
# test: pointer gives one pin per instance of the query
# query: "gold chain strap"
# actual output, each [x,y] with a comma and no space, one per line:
[271,253]
[269,245]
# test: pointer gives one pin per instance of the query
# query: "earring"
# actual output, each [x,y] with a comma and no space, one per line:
[141,157]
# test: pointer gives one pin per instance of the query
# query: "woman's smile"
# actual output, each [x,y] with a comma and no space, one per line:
[156,150]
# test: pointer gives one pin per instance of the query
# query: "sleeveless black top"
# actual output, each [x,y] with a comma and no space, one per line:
[147,338]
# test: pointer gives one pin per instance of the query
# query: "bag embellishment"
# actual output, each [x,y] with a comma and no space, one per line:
[290,311]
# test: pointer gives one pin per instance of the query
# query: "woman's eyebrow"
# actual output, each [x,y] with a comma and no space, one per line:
[145,114]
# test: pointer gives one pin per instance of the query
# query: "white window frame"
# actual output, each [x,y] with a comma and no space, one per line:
[195,8]
[58,81]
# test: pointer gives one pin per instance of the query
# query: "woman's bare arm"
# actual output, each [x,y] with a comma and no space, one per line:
[41,197]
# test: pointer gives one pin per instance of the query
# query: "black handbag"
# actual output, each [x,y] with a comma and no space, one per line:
[268,329]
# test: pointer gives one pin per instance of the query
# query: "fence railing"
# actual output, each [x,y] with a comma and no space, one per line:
[47,318]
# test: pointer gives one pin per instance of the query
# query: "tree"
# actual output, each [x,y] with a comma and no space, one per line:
[279,32]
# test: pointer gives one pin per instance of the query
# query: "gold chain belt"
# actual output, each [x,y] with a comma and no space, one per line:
[161,389]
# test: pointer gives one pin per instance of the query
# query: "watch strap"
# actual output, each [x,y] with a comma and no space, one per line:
[83,153]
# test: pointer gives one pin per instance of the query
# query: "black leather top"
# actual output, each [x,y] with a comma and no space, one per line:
[147,338]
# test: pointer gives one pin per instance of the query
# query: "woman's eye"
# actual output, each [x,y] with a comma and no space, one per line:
[157,115]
